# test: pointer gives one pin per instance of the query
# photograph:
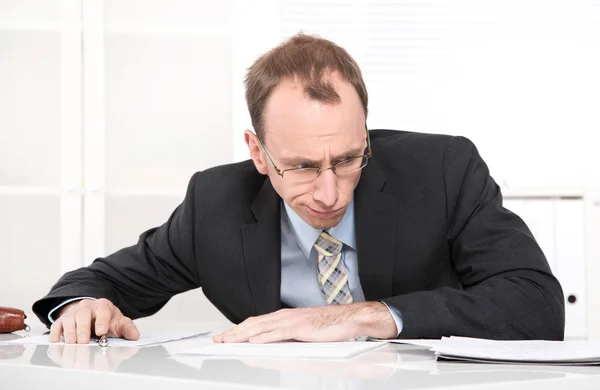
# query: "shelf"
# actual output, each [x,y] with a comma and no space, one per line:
[154,192]
[142,30]
[543,192]
[133,30]
[30,190]
[41,27]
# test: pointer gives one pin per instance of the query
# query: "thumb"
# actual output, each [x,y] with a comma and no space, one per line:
[128,329]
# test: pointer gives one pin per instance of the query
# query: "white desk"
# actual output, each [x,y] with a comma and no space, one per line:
[389,367]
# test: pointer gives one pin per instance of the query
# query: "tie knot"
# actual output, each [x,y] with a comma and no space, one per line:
[326,245]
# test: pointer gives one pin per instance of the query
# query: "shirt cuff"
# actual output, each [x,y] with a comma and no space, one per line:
[397,316]
[64,303]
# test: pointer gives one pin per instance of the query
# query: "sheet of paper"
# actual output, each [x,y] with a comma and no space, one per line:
[339,350]
[529,351]
[421,342]
[146,338]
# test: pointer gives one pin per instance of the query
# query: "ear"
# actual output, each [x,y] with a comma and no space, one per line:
[256,152]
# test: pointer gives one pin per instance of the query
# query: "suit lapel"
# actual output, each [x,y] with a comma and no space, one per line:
[262,250]
[375,225]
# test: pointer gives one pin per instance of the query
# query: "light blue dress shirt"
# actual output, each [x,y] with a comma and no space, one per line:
[299,261]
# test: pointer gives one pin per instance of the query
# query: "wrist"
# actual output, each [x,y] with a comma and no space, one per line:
[373,319]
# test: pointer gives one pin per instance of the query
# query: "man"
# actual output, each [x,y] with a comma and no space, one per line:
[329,232]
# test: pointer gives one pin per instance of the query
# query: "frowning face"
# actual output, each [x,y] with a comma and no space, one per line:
[301,132]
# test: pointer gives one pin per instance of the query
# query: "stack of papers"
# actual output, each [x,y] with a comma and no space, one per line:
[292,349]
[521,352]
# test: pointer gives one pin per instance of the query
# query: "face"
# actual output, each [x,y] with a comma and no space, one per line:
[301,132]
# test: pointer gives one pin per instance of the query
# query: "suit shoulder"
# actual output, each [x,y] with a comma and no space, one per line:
[421,156]
[224,182]
[392,142]
[399,138]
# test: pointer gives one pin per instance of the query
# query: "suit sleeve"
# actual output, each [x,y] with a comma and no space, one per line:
[508,289]
[140,279]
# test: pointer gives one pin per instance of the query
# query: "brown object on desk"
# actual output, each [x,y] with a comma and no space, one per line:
[12,320]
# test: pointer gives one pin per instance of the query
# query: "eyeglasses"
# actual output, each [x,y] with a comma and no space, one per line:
[340,168]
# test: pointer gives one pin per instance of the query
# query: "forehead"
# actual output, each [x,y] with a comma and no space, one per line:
[294,121]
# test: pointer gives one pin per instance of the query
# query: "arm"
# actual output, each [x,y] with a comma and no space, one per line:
[508,291]
[141,279]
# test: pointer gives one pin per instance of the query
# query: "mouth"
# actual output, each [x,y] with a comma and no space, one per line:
[323,213]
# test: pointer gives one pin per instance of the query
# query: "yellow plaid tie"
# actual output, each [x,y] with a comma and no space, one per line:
[333,277]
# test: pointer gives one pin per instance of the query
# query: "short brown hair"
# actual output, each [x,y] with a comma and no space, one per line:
[308,58]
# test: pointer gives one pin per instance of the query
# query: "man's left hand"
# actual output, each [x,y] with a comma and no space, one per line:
[316,324]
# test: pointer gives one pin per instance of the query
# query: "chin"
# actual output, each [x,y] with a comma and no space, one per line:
[325,223]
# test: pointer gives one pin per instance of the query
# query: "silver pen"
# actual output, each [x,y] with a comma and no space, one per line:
[102,341]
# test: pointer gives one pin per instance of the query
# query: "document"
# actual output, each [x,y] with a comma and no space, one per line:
[522,352]
[146,338]
[292,349]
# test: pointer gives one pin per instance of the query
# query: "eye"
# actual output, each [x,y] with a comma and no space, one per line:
[304,165]
[344,161]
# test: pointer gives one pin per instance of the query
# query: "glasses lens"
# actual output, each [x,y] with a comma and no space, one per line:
[352,165]
[301,175]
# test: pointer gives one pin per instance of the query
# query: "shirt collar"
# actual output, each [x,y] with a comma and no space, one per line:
[306,235]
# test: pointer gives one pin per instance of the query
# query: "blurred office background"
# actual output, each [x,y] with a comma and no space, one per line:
[108,107]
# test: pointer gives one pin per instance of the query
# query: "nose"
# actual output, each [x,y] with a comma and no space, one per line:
[326,191]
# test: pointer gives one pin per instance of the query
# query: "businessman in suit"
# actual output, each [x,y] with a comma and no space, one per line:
[329,232]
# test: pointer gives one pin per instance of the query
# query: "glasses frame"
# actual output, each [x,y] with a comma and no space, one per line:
[320,170]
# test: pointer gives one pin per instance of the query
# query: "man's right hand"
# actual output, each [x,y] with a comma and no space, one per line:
[78,319]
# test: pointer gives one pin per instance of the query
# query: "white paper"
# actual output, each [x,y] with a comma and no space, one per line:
[529,351]
[421,342]
[339,350]
[146,338]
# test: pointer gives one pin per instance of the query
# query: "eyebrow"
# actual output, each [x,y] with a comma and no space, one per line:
[297,160]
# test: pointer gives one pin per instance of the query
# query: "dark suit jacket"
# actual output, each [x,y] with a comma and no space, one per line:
[433,241]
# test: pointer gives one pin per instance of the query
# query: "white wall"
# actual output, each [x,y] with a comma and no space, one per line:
[108,106]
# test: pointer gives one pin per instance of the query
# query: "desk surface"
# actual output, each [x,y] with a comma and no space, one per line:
[391,367]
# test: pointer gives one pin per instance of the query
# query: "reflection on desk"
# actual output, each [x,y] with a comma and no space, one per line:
[390,367]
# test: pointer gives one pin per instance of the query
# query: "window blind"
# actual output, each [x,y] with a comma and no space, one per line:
[518,77]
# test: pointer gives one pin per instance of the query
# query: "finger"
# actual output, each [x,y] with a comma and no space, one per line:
[269,337]
[219,337]
[55,331]
[128,329]
[244,334]
[83,322]
[244,325]
[103,314]
[68,323]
